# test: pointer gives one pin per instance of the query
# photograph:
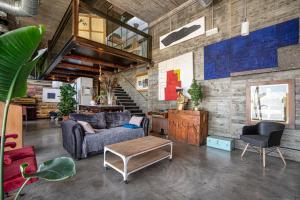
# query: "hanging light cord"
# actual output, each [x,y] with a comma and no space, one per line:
[245,10]
[212,14]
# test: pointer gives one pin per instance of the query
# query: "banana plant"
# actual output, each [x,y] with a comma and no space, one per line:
[16,51]
[57,169]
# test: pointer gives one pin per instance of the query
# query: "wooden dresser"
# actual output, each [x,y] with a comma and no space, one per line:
[188,126]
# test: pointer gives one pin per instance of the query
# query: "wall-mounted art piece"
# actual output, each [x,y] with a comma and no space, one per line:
[51,95]
[256,51]
[175,73]
[142,82]
[271,101]
[188,31]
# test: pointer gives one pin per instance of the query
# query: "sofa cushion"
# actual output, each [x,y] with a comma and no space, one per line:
[135,120]
[256,140]
[86,126]
[96,142]
[116,119]
[101,120]
[90,118]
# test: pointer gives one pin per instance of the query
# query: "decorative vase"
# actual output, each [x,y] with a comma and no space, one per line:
[93,103]
[109,98]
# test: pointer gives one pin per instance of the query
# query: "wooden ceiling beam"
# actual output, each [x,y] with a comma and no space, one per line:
[95,61]
[75,73]
[69,66]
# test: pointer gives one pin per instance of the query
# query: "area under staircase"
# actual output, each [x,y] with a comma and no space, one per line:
[125,100]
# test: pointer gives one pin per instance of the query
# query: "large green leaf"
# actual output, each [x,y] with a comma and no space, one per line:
[16,50]
[52,170]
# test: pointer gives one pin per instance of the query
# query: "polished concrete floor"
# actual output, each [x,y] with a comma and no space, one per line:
[195,173]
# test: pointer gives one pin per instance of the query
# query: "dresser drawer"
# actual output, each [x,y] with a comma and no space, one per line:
[223,143]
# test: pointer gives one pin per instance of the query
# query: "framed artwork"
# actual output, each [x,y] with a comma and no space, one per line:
[142,82]
[175,73]
[271,101]
[188,31]
[51,95]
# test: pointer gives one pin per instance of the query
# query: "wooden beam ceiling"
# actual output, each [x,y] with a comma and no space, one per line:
[95,61]
[74,73]
[74,67]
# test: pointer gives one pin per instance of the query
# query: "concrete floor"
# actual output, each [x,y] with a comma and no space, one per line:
[194,173]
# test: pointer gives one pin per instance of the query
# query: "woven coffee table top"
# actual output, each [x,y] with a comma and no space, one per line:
[136,146]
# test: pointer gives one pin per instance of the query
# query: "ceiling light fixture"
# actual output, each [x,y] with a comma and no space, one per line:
[245,24]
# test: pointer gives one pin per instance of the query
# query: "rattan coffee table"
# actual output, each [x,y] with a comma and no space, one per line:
[133,155]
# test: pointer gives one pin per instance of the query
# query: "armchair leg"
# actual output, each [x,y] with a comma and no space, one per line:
[281,156]
[264,157]
[246,147]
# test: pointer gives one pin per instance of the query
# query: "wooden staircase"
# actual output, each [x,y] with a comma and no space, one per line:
[125,100]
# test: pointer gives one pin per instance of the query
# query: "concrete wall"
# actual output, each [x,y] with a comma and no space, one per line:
[225,98]
[127,80]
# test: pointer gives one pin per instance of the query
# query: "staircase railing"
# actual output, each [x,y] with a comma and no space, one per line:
[132,85]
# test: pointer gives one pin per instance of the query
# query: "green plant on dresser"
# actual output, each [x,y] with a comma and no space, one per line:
[196,94]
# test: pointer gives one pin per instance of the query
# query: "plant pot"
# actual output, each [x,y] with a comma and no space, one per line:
[196,108]
[65,118]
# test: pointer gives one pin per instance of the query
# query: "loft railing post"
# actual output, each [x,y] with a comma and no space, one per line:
[75,15]
[149,47]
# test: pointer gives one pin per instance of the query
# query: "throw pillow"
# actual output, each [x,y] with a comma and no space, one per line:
[86,126]
[90,118]
[135,120]
[131,126]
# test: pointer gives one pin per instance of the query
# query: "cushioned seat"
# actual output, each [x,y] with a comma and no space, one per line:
[256,140]
[265,134]
[108,129]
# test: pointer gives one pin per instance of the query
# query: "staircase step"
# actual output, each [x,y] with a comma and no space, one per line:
[119,91]
[123,98]
[124,101]
[128,104]
[121,95]
[132,107]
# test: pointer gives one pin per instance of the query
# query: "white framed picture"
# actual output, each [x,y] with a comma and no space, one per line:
[51,95]
[142,82]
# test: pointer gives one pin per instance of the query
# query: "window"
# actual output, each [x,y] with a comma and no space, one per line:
[92,27]
[271,101]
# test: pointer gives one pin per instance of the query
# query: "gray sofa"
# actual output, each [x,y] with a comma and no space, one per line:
[109,130]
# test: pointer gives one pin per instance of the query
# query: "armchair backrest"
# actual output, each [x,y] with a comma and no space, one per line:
[266,128]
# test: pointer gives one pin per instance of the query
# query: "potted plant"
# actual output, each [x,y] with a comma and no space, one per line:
[16,50]
[196,94]
[67,102]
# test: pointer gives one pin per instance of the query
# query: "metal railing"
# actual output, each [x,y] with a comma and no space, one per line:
[133,86]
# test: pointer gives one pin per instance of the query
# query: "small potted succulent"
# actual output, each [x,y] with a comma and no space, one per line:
[196,94]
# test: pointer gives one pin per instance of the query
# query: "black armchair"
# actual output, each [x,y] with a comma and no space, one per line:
[264,135]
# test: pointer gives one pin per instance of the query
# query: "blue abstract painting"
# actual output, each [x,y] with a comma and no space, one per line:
[258,50]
